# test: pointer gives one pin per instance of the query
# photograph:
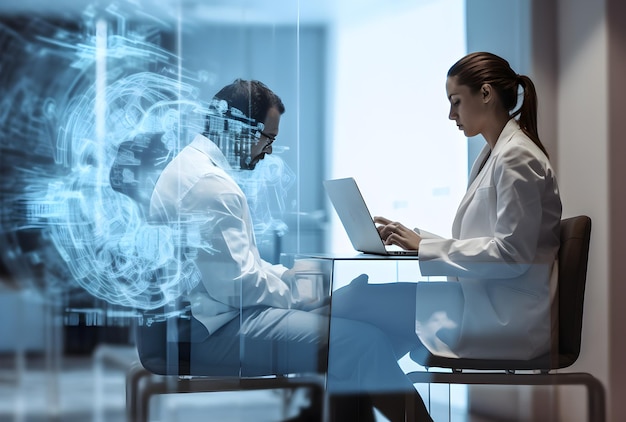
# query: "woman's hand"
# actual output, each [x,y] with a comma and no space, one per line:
[394,233]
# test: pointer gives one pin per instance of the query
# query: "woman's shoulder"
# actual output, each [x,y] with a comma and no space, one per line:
[520,155]
[520,145]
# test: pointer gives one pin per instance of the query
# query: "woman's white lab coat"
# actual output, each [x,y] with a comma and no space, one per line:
[501,261]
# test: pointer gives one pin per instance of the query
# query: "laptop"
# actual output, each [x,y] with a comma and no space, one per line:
[350,206]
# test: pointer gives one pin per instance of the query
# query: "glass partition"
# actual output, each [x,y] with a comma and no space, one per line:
[100,98]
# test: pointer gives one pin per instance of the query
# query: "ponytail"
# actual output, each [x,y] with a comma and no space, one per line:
[528,111]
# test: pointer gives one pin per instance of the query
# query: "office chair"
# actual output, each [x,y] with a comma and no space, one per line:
[573,256]
[164,349]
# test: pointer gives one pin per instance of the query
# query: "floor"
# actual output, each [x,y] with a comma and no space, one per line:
[92,388]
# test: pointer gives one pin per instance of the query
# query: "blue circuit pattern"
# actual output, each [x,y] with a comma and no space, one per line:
[90,112]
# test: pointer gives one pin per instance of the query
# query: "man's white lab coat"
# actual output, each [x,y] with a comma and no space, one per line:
[196,191]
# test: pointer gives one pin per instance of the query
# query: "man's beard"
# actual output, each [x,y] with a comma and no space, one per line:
[249,163]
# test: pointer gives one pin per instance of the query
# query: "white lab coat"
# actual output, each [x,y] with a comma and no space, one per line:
[501,261]
[196,193]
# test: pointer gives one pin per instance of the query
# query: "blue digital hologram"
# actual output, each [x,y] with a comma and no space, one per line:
[77,98]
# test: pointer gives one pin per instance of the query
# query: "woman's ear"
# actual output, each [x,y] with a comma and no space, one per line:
[486,91]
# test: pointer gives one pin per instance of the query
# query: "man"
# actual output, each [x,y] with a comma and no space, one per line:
[250,317]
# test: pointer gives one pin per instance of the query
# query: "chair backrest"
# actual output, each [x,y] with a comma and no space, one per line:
[573,258]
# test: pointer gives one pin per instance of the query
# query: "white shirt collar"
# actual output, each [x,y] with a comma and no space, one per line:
[208,147]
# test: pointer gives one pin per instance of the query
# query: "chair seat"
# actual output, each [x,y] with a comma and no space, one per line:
[164,367]
[542,363]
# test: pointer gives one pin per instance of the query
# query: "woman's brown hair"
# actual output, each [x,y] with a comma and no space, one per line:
[480,68]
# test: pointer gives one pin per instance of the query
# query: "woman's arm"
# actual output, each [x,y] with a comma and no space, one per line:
[506,246]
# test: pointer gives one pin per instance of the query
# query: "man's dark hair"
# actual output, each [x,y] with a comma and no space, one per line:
[253,98]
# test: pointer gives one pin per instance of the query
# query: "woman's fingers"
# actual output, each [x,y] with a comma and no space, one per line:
[391,229]
[399,235]
[394,233]
[381,220]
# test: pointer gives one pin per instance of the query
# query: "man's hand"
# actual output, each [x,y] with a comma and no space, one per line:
[306,280]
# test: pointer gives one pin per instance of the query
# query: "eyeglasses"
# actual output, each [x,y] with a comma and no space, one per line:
[270,139]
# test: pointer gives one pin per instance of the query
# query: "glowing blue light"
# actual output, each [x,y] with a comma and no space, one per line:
[69,101]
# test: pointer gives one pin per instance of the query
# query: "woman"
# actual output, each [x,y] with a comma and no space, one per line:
[501,260]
